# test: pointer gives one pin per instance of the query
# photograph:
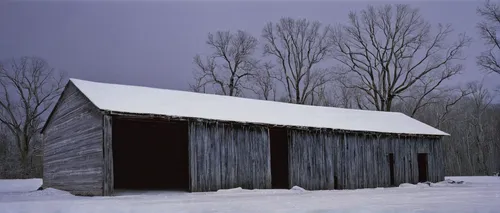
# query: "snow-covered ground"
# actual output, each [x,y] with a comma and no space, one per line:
[476,194]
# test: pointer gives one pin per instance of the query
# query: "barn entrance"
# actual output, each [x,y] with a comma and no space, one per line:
[391,169]
[279,158]
[150,154]
[422,167]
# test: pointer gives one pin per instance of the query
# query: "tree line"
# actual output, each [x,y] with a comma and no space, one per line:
[386,58]
[29,88]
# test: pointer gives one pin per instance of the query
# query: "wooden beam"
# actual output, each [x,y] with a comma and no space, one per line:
[108,185]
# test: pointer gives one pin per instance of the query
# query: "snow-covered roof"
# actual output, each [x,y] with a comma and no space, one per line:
[146,100]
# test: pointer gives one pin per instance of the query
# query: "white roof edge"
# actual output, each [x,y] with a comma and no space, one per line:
[148,100]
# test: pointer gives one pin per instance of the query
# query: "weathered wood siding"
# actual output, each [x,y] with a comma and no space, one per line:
[223,156]
[107,132]
[318,157]
[73,148]
[311,159]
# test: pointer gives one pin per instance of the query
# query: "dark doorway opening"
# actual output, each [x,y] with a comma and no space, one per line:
[279,158]
[422,167]
[391,169]
[150,154]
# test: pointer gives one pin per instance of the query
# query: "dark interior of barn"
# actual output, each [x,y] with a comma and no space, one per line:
[422,167]
[279,158]
[150,154]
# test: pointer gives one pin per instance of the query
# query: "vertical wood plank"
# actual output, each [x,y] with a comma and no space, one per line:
[226,155]
[329,146]
[108,182]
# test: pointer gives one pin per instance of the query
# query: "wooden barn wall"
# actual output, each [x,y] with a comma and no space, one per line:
[73,149]
[226,155]
[108,175]
[318,157]
[311,159]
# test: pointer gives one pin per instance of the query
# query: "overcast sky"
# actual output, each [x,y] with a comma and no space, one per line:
[153,43]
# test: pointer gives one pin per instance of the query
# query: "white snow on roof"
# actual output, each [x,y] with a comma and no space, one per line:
[146,100]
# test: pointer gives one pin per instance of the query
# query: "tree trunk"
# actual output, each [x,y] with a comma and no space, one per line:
[24,156]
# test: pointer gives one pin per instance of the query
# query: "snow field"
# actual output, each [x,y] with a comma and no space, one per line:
[475,194]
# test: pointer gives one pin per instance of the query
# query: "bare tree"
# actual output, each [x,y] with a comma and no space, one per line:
[3,144]
[334,94]
[479,125]
[230,64]
[488,27]
[322,96]
[481,100]
[299,46]
[263,82]
[421,96]
[472,121]
[386,51]
[347,97]
[29,88]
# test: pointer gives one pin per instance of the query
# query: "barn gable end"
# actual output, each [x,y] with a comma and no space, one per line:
[73,149]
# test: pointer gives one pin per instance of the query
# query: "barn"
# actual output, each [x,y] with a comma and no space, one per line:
[103,137]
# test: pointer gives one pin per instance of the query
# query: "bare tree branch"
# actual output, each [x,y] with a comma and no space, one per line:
[488,27]
[389,50]
[230,64]
[264,82]
[29,88]
[472,118]
[299,46]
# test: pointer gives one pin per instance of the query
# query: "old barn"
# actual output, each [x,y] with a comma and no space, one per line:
[104,137]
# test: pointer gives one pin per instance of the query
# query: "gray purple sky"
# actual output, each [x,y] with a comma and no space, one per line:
[153,43]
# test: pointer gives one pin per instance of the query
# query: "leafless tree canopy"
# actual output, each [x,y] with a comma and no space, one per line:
[488,28]
[29,88]
[263,82]
[298,47]
[473,122]
[386,51]
[230,64]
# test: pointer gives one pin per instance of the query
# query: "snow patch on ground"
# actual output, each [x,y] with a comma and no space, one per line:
[20,185]
[48,192]
[475,194]
[298,188]
[418,185]
[476,179]
[233,190]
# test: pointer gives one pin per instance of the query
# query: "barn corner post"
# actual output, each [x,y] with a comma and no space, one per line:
[269,175]
[441,159]
[108,180]
[42,136]
[191,158]
[290,158]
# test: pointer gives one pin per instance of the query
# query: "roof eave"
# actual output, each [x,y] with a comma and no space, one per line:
[168,117]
